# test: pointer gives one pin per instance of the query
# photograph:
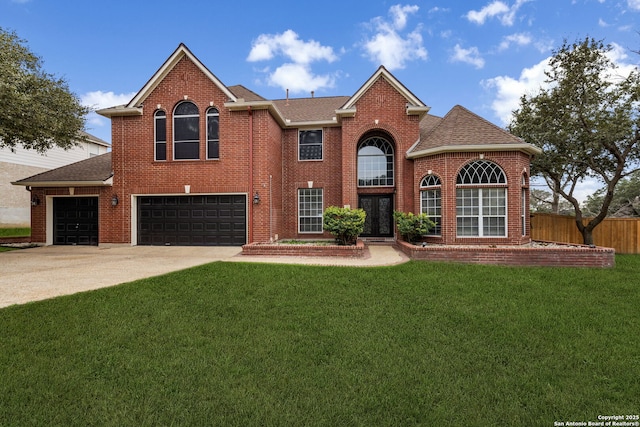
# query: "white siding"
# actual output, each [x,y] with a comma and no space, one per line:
[15,201]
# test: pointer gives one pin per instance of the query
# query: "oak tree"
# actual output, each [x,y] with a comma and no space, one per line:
[37,109]
[586,121]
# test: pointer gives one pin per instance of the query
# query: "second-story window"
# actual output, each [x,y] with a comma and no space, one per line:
[160,119]
[310,144]
[213,133]
[186,132]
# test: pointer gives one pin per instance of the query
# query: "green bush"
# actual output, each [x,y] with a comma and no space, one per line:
[411,226]
[345,224]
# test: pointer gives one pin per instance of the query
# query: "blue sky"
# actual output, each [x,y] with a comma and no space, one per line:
[480,54]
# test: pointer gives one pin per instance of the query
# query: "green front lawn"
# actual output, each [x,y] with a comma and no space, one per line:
[15,232]
[238,344]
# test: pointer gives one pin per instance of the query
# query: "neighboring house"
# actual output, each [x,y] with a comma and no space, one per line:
[15,202]
[195,162]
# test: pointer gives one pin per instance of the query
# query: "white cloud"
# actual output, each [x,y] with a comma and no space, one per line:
[99,99]
[289,45]
[499,9]
[299,78]
[509,90]
[634,4]
[468,56]
[520,39]
[391,48]
[296,73]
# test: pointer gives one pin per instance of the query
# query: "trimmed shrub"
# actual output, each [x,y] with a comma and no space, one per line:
[344,224]
[411,226]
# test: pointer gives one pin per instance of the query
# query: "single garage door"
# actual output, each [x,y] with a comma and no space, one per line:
[75,221]
[215,220]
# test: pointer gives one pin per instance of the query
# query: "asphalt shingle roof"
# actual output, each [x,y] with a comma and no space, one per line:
[310,109]
[460,127]
[94,169]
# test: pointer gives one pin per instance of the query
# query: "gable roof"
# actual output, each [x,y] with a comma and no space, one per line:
[462,130]
[414,104]
[134,107]
[95,171]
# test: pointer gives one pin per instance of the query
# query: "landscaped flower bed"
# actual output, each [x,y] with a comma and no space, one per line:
[301,248]
[534,254]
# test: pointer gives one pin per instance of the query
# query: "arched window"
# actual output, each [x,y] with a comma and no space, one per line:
[160,135]
[186,132]
[431,202]
[213,133]
[481,200]
[375,163]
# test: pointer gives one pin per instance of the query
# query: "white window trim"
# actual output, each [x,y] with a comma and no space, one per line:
[480,217]
[432,188]
[207,115]
[321,190]
[155,135]
[173,122]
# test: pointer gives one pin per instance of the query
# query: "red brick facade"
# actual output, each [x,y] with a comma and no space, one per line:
[259,157]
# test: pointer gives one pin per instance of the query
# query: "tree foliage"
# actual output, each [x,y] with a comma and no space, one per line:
[586,121]
[37,110]
[546,202]
[625,202]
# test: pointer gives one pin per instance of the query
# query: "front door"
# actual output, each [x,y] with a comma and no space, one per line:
[379,210]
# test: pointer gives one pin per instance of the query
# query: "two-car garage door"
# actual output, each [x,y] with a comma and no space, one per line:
[197,220]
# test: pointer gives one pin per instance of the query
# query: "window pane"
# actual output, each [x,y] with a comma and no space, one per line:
[186,108]
[161,151]
[310,207]
[187,150]
[161,129]
[213,149]
[431,204]
[213,123]
[310,144]
[186,129]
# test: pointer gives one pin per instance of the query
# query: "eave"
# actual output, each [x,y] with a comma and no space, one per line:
[120,111]
[106,183]
[477,148]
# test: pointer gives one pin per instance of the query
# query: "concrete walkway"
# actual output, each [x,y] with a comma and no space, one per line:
[46,272]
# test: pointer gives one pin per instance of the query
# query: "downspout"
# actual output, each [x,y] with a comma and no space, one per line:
[250,196]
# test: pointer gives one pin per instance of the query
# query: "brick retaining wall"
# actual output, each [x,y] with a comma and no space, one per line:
[276,249]
[556,255]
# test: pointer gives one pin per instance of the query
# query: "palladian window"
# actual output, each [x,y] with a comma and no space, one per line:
[375,163]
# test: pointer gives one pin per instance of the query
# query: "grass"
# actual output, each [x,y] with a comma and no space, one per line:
[15,232]
[239,344]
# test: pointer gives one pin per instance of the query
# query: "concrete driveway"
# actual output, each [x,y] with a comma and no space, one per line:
[49,271]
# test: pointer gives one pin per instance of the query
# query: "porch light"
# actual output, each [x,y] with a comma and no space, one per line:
[256,198]
[114,200]
[35,201]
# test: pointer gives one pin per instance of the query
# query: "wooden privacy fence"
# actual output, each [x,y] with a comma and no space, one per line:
[622,234]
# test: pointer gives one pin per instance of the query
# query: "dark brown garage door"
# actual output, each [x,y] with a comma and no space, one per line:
[75,221]
[192,220]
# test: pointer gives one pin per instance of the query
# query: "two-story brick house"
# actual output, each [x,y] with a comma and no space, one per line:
[195,162]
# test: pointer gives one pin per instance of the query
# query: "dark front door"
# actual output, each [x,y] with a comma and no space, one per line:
[75,221]
[379,209]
